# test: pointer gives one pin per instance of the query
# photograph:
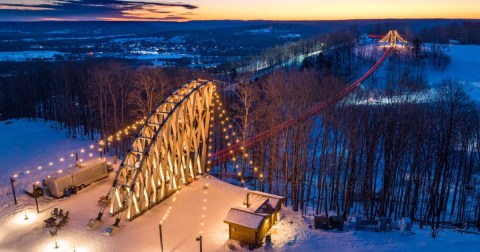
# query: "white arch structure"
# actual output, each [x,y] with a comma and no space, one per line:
[170,150]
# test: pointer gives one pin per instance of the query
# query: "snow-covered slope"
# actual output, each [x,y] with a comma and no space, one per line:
[32,150]
[464,65]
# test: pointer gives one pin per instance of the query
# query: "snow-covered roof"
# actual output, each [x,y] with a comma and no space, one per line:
[92,162]
[269,195]
[253,206]
[77,168]
[244,218]
[257,198]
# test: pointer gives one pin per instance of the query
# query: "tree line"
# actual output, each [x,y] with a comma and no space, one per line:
[93,99]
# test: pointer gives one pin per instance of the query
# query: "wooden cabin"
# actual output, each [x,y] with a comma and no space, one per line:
[251,222]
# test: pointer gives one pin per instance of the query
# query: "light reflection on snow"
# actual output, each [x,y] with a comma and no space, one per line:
[48,245]
[19,219]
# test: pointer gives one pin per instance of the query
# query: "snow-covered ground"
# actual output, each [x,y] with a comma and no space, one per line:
[32,150]
[26,55]
[464,66]
[181,215]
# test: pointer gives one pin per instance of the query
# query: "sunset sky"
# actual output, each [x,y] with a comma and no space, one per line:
[157,10]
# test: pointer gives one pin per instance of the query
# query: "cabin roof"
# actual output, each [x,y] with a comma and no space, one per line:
[256,196]
[244,218]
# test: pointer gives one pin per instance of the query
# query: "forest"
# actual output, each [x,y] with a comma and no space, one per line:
[415,154]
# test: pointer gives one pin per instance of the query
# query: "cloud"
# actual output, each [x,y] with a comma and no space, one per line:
[167,18]
[93,10]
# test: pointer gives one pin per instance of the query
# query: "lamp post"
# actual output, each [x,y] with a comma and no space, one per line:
[161,237]
[199,239]
[13,190]
[35,196]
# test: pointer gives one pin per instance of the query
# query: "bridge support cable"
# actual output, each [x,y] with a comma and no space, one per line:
[169,151]
[226,153]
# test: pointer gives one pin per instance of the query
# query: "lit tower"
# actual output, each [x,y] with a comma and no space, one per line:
[392,37]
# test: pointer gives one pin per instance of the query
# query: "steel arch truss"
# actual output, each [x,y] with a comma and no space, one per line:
[170,150]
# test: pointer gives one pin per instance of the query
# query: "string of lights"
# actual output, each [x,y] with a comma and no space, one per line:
[204,208]
[81,154]
[125,132]
[174,199]
[85,151]
[230,137]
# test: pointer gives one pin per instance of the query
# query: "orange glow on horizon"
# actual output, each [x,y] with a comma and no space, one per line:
[337,10]
[172,10]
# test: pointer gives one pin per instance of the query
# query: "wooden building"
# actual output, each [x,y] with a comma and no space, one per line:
[251,222]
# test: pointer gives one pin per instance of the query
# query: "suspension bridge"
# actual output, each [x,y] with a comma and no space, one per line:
[172,147]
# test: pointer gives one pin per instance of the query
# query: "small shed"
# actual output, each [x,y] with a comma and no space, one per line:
[251,222]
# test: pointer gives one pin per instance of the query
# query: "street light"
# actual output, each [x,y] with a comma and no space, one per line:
[13,189]
[161,237]
[199,239]
[35,195]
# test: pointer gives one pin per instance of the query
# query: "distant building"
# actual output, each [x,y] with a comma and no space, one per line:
[454,42]
[251,222]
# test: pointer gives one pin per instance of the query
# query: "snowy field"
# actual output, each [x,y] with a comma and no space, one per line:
[464,66]
[32,150]
[26,55]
